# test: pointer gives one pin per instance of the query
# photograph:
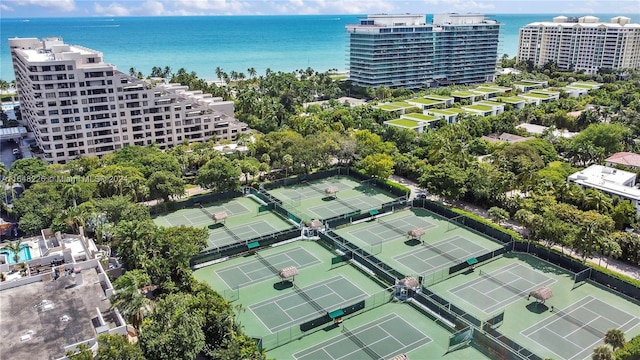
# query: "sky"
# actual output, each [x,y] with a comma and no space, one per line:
[111,8]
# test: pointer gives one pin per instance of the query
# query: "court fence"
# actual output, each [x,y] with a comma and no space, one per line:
[297,332]
[239,248]
[543,252]
[171,206]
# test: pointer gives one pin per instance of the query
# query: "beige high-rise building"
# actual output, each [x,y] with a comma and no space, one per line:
[78,105]
[582,44]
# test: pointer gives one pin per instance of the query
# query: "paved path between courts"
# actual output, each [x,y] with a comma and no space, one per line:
[612,264]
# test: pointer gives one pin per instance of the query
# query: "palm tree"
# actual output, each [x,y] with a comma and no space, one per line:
[287,162]
[602,353]
[219,72]
[15,247]
[615,338]
[252,72]
[129,299]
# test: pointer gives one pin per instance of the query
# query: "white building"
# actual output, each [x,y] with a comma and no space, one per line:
[614,182]
[78,105]
[583,43]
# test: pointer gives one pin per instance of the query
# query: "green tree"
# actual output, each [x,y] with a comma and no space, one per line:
[219,174]
[630,351]
[164,184]
[129,299]
[498,215]
[377,165]
[15,248]
[615,338]
[81,352]
[28,171]
[445,179]
[173,330]
[117,347]
[602,353]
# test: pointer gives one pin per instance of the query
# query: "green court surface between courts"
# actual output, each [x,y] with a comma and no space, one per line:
[244,221]
[522,313]
[257,271]
[296,306]
[310,200]
[382,339]
[396,328]
[492,291]
[428,258]
[265,290]
[572,333]
[438,231]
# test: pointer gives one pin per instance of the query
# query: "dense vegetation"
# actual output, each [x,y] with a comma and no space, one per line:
[525,181]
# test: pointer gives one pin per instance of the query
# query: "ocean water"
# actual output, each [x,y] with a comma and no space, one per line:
[200,44]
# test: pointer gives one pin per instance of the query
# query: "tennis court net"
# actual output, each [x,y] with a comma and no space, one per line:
[204,210]
[599,334]
[316,188]
[360,344]
[231,233]
[389,226]
[511,288]
[308,299]
[267,264]
[346,204]
[442,252]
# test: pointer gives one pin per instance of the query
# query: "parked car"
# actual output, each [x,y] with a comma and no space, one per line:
[421,195]
[16,151]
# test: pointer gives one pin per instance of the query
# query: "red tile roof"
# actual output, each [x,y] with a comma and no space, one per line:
[625,158]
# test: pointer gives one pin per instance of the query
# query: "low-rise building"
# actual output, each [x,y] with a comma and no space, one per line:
[613,182]
[55,298]
[629,159]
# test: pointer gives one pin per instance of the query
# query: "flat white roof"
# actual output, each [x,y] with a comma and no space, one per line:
[607,179]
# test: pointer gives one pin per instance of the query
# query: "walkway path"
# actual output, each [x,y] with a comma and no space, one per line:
[613,264]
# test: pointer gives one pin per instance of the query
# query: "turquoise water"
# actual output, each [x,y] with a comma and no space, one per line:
[200,44]
[24,255]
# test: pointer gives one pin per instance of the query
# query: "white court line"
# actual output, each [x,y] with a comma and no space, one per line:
[261,322]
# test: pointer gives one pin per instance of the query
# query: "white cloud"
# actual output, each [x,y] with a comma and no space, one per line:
[60,5]
[113,9]
[152,8]
[4,7]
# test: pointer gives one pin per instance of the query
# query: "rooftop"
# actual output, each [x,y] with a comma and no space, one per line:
[404,123]
[624,158]
[40,319]
[608,180]
[463,94]
[425,101]
[420,117]
[438,97]
[512,99]
[451,111]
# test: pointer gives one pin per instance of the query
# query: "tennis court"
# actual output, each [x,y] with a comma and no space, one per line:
[307,303]
[444,254]
[200,215]
[384,338]
[493,291]
[310,190]
[256,271]
[221,235]
[573,332]
[383,230]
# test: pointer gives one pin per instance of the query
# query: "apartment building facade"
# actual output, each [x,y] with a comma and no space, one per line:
[405,51]
[581,44]
[78,105]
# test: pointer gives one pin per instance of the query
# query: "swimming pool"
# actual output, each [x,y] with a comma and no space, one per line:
[24,255]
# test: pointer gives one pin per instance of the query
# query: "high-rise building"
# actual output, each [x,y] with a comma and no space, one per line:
[78,105]
[405,51]
[581,44]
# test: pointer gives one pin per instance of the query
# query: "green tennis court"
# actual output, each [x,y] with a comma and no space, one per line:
[493,291]
[572,333]
[256,271]
[294,307]
[384,338]
[343,205]
[222,235]
[305,191]
[199,216]
[443,254]
[383,230]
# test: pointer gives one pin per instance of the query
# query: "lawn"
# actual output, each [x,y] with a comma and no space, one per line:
[403,122]
[420,117]
[479,107]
